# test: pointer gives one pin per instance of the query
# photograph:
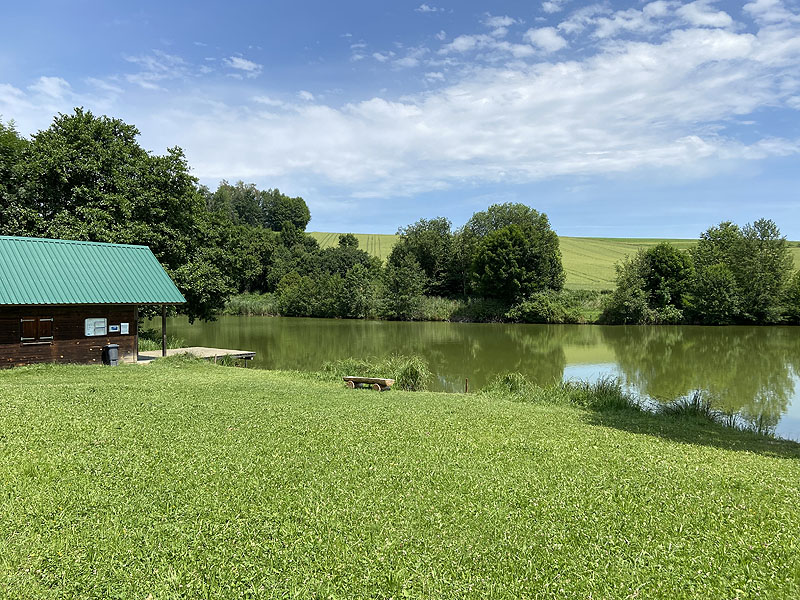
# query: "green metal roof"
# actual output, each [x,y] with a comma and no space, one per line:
[42,271]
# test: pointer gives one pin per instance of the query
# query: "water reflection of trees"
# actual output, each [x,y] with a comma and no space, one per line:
[744,369]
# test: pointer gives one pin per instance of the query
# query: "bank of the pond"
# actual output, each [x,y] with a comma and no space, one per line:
[194,480]
[568,306]
[752,371]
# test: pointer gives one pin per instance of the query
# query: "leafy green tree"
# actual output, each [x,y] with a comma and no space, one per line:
[348,240]
[766,268]
[359,293]
[651,287]
[429,241]
[793,300]
[541,258]
[87,178]
[14,217]
[759,259]
[297,295]
[240,202]
[404,283]
[714,296]
[499,265]
[278,209]
[667,273]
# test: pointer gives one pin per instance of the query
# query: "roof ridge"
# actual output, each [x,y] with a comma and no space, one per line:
[22,238]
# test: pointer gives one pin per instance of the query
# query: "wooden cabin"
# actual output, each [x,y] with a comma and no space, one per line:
[64,301]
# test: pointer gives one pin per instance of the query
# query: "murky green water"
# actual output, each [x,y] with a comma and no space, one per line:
[753,370]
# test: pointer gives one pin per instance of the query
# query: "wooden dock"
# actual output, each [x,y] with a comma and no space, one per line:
[200,352]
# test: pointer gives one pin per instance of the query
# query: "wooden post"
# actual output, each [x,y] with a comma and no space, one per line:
[163,330]
[466,385]
[135,334]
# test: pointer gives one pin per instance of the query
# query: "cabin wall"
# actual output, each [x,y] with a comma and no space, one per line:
[70,344]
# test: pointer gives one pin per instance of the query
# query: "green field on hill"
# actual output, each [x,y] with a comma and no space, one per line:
[588,262]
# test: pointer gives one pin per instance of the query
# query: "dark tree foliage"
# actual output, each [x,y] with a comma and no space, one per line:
[651,287]
[348,240]
[12,145]
[758,259]
[714,296]
[793,300]
[87,178]
[499,265]
[242,203]
[429,241]
[667,274]
[404,282]
[279,209]
[541,256]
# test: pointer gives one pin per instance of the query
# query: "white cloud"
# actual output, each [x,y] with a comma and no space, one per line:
[553,6]
[268,101]
[54,87]
[441,36]
[546,38]
[156,67]
[627,103]
[380,57]
[700,13]
[636,105]
[770,11]
[406,62]
[425,8]
[243,66]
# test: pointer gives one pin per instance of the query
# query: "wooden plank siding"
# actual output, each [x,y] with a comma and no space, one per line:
[70,344]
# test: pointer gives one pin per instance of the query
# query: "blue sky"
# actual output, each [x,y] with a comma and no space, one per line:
[623,119]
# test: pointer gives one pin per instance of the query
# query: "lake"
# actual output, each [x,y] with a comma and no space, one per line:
[752,370]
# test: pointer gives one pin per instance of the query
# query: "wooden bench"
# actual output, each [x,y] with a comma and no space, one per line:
[376,383]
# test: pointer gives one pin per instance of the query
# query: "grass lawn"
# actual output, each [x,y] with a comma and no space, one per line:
[198,481]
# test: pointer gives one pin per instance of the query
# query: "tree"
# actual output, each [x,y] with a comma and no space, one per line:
[403,286]
[87,178]
[348,240]
[278,209]
[667,273]
[651,287]
[793,300]
[499,265]
[541,258]
[429,241]
[760,262]
[714,296]
[14,217]
[766,268]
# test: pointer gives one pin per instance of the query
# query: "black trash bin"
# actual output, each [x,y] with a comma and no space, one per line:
[111,355]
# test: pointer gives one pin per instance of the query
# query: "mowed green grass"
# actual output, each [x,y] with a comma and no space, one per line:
[200,481]
[588,262]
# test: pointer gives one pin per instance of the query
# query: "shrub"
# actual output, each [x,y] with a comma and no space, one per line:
[509,384]
[247,305]
[436,308]
[695,406]
[604,394]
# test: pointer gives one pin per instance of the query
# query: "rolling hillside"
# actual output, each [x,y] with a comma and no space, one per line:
[588,262]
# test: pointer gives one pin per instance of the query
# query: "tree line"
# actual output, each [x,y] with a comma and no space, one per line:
[86,177]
